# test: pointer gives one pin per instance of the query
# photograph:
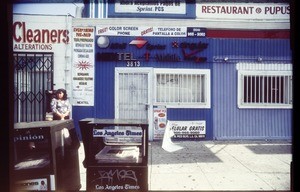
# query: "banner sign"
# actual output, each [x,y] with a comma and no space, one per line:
[250,11]
[153,7]
[83,66]
[150,31]
[187,129]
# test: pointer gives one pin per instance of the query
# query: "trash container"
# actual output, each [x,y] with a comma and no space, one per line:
[117,154]
[46,156]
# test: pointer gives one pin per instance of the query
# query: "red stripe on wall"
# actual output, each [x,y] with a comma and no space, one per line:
[268,34]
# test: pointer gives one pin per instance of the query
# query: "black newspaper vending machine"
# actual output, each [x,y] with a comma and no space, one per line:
[116,154]
[46,156]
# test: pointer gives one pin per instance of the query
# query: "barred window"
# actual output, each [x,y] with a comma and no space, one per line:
[268,89]
[182,88]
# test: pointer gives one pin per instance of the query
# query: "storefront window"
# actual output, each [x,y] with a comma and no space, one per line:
[182,87]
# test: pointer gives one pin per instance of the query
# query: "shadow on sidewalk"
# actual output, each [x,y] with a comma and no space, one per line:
[271,149]
[192,152]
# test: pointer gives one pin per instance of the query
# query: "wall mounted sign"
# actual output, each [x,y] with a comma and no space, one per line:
[83,66]
[29,35]
[150,31]
[248,11]
[154,7]
[138,31]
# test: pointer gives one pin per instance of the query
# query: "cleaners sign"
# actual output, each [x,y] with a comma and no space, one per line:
[39,33]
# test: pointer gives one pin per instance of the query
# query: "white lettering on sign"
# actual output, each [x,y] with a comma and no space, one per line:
[243,11]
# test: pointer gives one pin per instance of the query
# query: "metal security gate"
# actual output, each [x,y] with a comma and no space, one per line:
[33,75]
[132,88]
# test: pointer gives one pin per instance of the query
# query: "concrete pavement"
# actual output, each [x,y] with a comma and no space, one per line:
[217,166]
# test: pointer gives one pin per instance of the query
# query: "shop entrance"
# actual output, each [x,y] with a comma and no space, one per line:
[133,94]
[33,75]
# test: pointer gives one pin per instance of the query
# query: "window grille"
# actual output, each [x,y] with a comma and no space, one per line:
[180,87]
[265,89]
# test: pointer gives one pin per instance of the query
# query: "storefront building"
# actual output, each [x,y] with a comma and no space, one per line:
[216,70]
[223,67]
[42,62]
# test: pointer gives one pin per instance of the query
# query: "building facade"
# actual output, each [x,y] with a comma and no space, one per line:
[216,70]
[223,63]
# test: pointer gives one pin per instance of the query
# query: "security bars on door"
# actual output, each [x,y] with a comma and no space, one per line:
[33,75]
[133,99]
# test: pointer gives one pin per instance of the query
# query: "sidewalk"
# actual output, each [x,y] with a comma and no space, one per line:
[217,166]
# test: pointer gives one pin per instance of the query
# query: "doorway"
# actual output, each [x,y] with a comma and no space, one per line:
[133,95]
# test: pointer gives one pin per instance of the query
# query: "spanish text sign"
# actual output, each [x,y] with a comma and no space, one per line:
[83,66]
[187,129]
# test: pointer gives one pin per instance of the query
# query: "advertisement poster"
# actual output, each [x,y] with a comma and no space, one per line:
[83,66]
[187,129]
[33,185]
[160,121]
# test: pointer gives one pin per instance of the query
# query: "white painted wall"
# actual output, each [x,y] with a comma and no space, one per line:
[28,28]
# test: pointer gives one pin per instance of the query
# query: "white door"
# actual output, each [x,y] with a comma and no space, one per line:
[133,94]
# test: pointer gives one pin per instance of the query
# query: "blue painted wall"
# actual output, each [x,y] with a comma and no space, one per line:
[105,70]
[224,120]
[229,121]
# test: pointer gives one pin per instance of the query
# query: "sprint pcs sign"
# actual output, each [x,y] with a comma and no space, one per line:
[153,7]
[187,129]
